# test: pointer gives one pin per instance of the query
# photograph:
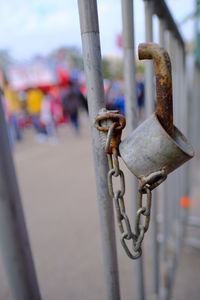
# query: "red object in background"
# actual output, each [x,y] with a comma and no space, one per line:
[63,77]
[119,41]
[57,111]
[84,89]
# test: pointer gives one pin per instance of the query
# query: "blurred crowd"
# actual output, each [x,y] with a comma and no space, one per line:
[43,109]
[46,109]
[114,93]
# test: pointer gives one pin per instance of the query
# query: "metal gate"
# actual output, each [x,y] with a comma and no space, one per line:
[170,209]
[169,213]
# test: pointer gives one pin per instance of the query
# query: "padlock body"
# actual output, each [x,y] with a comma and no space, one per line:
[149,149]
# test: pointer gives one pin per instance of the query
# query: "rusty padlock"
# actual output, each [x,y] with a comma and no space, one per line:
[156,147]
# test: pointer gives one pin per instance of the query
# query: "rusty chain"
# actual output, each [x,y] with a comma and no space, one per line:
[142,220]
[122,218]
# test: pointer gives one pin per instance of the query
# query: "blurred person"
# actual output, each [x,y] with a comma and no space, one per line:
[119,104]
[73,101]
[56,107]
[7,118]
[34,100]
[13,105]
[140,99]
[57,111]
[84,89]
[114,97]
[46,117]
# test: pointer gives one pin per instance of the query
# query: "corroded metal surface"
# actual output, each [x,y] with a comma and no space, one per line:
[162,65]
[110,124]
[150,149]
[110,115]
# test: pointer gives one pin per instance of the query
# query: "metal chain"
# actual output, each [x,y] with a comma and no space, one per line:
[122,218]
[147,184]
[118,198]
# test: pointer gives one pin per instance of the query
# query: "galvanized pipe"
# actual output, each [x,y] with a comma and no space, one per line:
[163,195]
[182,119]
[175,226]
[176,77]
[172,181]
[177,219]
[172,178]
[162,65]
[182,213]
[14,240]
[95,92]
[162,11]
[129,65]
[132,118]
[149,94]
[149,106]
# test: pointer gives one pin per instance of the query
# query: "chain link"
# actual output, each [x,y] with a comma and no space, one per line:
[146,185]
[122,218]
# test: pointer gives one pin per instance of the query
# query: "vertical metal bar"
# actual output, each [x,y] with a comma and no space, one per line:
[184,214]
[175,69]
[150,107]
[14,241]
[132,117]
[149,96]
[179,108]
[95,92]
[163,196]
[171,179]
[172,192]
[175,232]
[182,116]
[183,123]
[192,110]
[129,65]
[175,50]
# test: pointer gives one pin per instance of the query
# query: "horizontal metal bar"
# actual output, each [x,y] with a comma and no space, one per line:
[162,11]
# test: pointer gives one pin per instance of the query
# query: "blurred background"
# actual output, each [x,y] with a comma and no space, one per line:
[41,49]
[44,97]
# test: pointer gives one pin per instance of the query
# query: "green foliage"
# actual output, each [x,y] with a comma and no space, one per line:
[106,69]
[139,67]
[75,57]
[113,68]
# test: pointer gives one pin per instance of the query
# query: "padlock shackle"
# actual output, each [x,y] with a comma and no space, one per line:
[162,65]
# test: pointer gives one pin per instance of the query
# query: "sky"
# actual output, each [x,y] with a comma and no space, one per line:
[36,27]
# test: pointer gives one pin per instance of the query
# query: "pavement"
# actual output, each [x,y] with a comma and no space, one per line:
[57,184]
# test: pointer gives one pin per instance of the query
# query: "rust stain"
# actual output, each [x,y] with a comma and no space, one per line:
[118,118]
[162,66]
[119,122]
